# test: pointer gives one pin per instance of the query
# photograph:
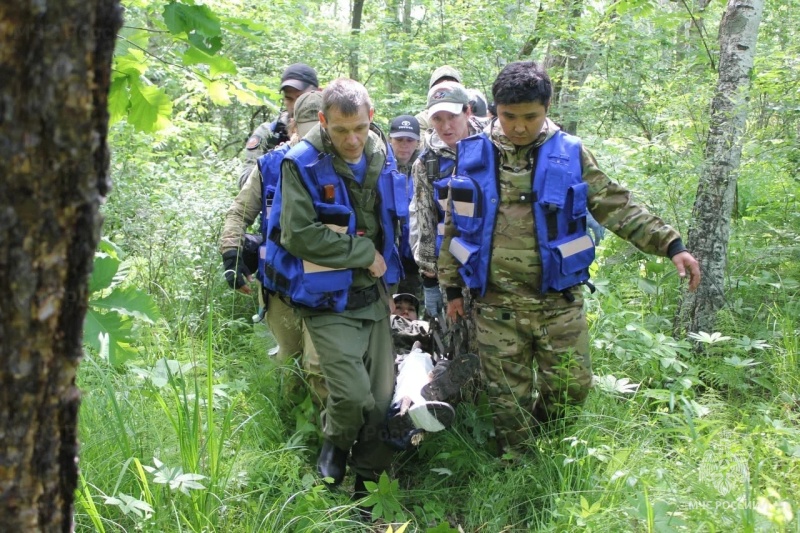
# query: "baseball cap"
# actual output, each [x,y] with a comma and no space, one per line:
[399,297]
[447,96]
[404,126]
[300,76]
[477,102]
[445,71]
[306,111]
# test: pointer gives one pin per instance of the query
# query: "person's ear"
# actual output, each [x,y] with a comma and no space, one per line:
[371,113]
[322,121]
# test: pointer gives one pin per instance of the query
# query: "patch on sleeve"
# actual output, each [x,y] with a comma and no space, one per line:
[253,142]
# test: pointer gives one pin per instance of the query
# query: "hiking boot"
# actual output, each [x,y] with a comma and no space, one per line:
[332,463]
[449,377]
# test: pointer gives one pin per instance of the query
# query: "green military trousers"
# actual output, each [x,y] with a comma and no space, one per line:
[356,358]
[536,361]
[287,328]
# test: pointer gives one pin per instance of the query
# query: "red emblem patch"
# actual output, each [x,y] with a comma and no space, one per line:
[253,142]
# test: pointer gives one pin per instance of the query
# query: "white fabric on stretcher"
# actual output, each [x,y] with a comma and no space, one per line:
[414,373]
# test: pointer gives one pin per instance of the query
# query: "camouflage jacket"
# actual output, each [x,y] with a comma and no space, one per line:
[515,269]
[244,209]
[423,213]
[262,140]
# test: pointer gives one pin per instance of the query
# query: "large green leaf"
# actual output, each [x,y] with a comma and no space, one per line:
[129,301]
[219,65]
[111,333]
[103,272]
[199,23]
[119,99]
[150,107]
[182,18]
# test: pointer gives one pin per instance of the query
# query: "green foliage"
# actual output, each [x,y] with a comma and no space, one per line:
[108,326]
[678,434]
[383,498]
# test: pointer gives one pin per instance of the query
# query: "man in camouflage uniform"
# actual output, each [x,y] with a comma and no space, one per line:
[404,137]
[296,80]
[285,325]
[520,329]
[440,75]
[452,120]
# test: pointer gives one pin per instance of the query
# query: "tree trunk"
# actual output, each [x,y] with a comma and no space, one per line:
[355,40]
[568,66]
[711,216]
[55,59]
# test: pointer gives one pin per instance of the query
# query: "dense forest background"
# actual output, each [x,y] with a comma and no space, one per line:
[187,424]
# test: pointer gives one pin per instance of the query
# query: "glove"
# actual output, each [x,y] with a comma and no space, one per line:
[597,230]
[236,272]
[433,300]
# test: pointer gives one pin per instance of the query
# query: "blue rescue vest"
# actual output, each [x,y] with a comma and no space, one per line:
[405,230]
[558,200]
[269,165]
[315,286]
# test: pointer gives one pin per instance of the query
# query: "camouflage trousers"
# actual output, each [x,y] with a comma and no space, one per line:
[295,346]
[535,360]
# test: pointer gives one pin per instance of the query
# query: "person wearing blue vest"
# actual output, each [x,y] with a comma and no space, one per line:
[515,234]
[404,136]
[332,252]
[451,119]
[256,197]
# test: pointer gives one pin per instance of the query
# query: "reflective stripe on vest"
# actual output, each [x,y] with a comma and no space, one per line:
[559,204]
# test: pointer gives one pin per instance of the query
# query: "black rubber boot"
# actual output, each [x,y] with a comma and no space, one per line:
[449,377]
[332,463]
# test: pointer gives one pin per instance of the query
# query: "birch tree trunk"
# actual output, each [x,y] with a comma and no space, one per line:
[713,206]
[55,59]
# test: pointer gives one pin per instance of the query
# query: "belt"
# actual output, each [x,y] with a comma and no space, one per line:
[362,297]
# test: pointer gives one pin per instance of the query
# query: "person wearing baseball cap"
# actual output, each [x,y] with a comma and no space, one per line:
[296,80]
[404,136]
[239,266]
[444,73]
[452,120]
[440,75]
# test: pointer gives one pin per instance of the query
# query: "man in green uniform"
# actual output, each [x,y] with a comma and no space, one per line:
[354,346]
[534,345]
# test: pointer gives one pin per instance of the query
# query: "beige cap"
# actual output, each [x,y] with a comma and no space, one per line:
[306,111]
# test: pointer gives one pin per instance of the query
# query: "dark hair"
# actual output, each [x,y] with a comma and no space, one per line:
[521,82]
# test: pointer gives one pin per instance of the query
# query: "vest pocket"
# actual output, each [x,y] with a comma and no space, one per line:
[578,195]
[572,259]
[468,255]
[465,199]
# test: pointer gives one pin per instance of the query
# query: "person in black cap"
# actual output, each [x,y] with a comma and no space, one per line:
[297,79]
[404,137]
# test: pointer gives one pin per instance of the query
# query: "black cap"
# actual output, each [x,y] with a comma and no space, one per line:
[477,102]
[405,126]
[300,76]
[406,296]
